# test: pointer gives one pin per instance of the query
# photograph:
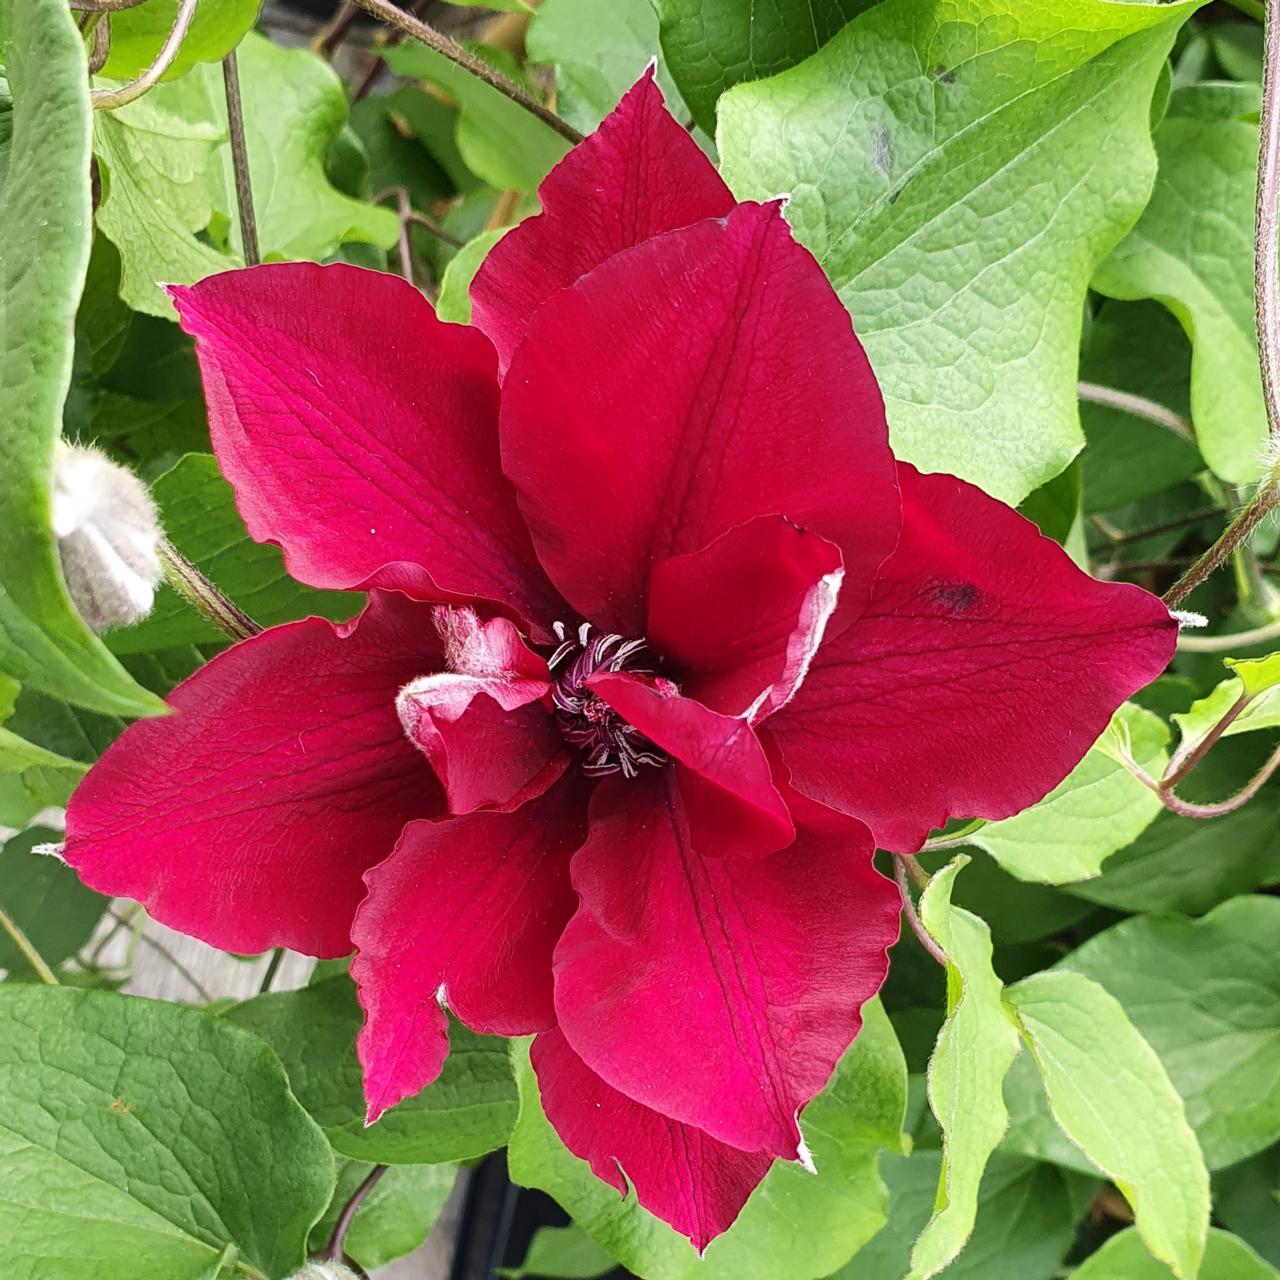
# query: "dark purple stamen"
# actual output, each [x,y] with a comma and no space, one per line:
[609,743]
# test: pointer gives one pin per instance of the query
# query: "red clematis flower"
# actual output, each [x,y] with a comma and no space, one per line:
[660,643]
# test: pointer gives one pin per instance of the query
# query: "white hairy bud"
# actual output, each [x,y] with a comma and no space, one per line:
[325,1271]
[108,536]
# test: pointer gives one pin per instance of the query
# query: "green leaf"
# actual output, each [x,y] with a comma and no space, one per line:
[1246,1200]
[711,45]
[500,141]
[155,156]
[1027,1215]
[1098,808]
[199,515]
[976,1047]
[419,113]
[394,1217]
[1124,1258]
[1112,1098]
[138,33]
[1219,99]
[1192,251]
[6,126]
[136,387]
[1137,347]
[454,303]
[44,254]
[503,6]
[45,899]
[1238,46]
[1204,994]
[146,1140]
[45,777]
[52,743]
[1016,911]
[599,52]
[795,1223]
[1256,678]
[959,175]
[294,109]
[468,1111]
[1054,508]
[564,1253]
[396,155]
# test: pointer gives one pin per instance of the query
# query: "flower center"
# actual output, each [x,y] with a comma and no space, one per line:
[608,743]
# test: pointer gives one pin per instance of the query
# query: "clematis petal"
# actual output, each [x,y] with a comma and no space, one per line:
[248,817]
[482,724]
[486,756]
[680,1174]
[360,433]
[709,400]
[465,913]
[742,618]
[742,978]
[984,668]
[638,175]
[722,771]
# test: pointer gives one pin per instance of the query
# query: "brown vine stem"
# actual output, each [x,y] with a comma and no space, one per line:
[101,50]
[1262,505]
[1185,760]
[376,65]
[334,1252]
[273,967]
[418,30]
[1266,293]
[240,160]
[110,99]
[203,596]
[1186,809]
[1122,539]
[1137,405]
[431,225]
[329,37]
[405,212]
[914,869]
[23,943]
[909,910]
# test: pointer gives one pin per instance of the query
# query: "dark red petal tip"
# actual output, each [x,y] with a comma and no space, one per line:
[762,964]
[360,433]
[638,175]
[680,1174]
[983,669]
[465,914]
[248,817]
[716,409]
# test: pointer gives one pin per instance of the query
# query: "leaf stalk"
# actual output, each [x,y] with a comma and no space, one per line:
[240,160]
[30,954]
[418,30]
[900,864]
[203,596]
